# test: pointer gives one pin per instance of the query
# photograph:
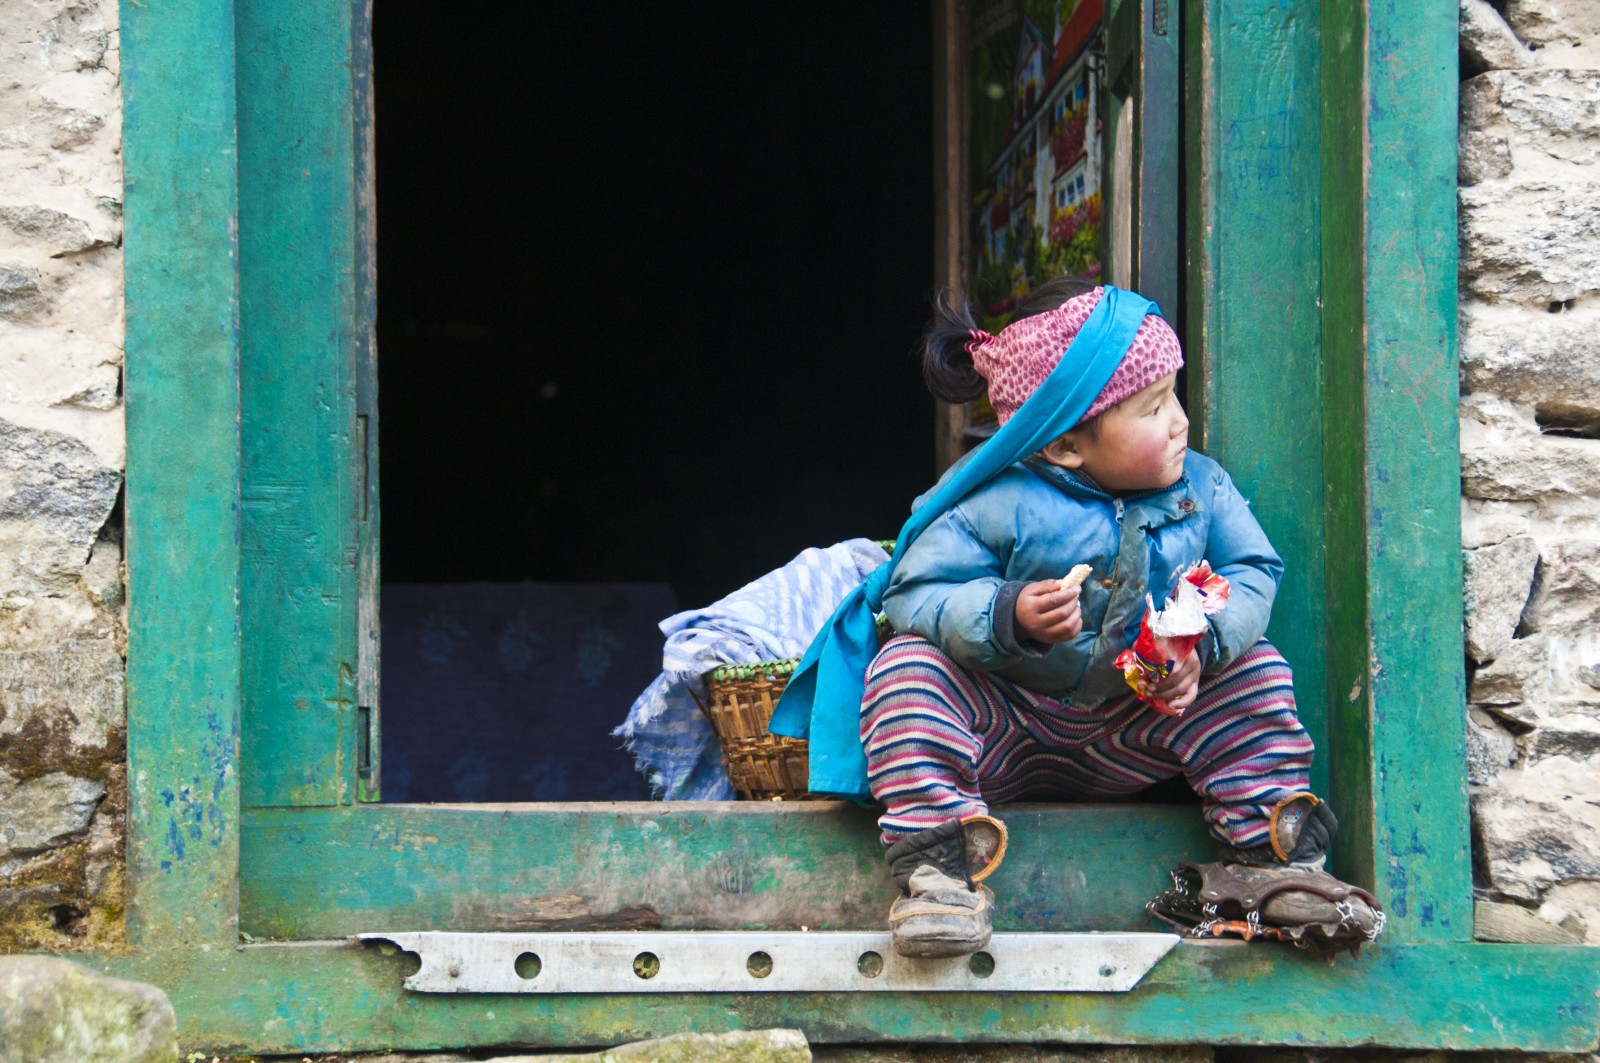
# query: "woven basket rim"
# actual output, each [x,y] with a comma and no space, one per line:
[733,673]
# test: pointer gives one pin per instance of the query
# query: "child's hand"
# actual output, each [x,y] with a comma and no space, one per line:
[1047,611]
[1177,692]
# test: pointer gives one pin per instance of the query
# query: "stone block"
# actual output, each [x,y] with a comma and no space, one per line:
[1012,1053]
[1544,115]
[42,366]
[79,37]
[1521,673]
[65,128]
[62,707]
[55,495]
[1539,824]
[1566,596]
[1574,656]
[1487,43]
[1490,750]
[1537,242]
[54,1011]
[740,1046]
[41,813]
[1548,23]
[1517,717]
[1514,924]
[56,231]
[1522,465]
[1482,157]
[1498,579]
[21,296]
[1575,906]
[1334,1055]
[102,576]
[1548,361]
[71,896]
[1574,735]
[1486,522]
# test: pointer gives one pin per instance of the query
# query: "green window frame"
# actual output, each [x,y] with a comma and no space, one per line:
[1320,298]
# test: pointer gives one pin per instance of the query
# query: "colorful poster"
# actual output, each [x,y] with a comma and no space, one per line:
[1034,148]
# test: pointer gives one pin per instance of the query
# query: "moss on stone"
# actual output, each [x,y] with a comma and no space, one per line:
[72,898]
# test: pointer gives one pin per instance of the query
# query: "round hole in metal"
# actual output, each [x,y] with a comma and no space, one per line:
[759,964]
[870,964]
[981,964]
[645,965]
[1107,971]
[528,966]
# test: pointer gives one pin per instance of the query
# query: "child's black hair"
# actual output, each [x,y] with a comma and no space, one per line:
[947,367]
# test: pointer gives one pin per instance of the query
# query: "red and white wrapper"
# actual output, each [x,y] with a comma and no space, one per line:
[1168,635]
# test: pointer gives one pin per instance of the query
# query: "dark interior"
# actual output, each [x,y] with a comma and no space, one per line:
[650,282]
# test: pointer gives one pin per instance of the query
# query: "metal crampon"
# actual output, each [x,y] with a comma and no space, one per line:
[1313,910]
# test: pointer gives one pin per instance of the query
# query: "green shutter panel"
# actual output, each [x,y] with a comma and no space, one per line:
[305,311]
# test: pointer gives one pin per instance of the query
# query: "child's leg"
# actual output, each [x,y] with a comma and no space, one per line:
[942,742]
[925,723]
[1240,745]
[1243,750]
[920,724]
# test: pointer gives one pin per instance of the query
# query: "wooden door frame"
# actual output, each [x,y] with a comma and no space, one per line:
[1326,127]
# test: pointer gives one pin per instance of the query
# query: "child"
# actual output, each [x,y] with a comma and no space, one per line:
[1001,685]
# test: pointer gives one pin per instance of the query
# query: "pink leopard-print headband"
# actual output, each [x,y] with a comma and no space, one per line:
[1015,362]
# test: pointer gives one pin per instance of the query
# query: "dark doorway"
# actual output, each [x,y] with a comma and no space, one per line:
[650,278]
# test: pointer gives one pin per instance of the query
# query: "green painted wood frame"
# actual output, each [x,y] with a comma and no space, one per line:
[1321,323]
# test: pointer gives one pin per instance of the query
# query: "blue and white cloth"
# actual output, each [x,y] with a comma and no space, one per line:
[772,619]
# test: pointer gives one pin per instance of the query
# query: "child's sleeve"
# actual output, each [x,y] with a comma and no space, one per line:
[948,588]
[1238,549]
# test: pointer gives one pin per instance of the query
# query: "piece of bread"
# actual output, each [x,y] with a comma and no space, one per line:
[1078,574]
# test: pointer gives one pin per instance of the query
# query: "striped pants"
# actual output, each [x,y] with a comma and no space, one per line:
[943,743]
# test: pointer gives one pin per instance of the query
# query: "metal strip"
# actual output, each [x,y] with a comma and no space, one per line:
[768,962]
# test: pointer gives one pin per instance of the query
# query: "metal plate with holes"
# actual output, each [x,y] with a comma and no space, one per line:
[779,962]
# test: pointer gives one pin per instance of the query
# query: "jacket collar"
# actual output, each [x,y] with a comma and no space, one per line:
[1154,508]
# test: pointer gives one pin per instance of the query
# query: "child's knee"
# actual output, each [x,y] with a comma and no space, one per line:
[909,658]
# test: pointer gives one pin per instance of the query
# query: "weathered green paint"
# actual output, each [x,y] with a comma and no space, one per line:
[342,871]
[1422,843]
[1253,322]
[302,327]
[326,996]
[1391,366]
[183,459]
[1344,448]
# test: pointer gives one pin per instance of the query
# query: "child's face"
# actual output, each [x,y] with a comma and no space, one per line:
[1140,444]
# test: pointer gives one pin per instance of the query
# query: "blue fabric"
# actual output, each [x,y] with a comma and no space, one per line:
[769,619]
[822,702]
[1035,521]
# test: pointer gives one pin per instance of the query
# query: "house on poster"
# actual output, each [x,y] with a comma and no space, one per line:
[1043,185]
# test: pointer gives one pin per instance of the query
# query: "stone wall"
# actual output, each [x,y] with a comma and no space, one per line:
[1530,428]
[62,635]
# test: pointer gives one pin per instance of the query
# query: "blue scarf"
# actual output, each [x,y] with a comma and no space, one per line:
[823,699]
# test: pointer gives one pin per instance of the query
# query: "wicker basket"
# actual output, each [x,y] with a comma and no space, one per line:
[740,699]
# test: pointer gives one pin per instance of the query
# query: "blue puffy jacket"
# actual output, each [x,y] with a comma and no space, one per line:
[957,584]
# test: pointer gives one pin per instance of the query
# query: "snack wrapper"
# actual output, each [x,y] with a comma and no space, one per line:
[1168,635]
